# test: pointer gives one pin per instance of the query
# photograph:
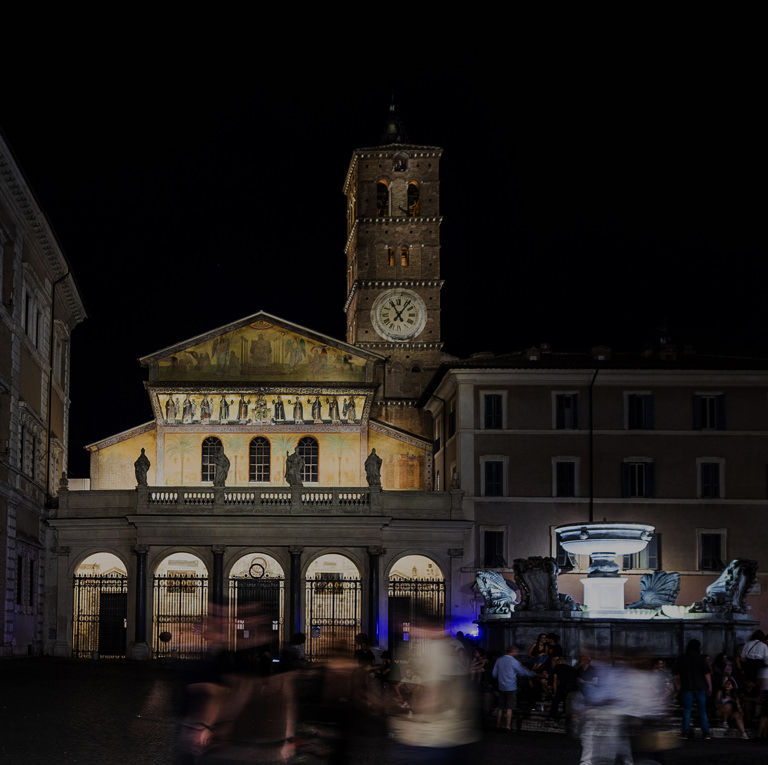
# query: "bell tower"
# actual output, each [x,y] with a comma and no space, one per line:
[393,261]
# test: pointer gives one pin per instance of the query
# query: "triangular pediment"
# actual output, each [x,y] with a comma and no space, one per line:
[261,348]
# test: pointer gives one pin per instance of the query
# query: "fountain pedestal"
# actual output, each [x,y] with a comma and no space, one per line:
[604,595]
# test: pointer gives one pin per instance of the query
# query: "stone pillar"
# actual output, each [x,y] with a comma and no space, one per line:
[62,645]
[294,597]
[216,594]
[140,647]
[374,583]
[453,585]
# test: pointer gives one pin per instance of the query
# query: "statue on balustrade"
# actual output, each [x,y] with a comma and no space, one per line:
[222,468]
[294,468]
[373,469]
[141,468]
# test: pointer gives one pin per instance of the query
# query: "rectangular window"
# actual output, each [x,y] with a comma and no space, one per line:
[710,480]
[32,588]
[566,411]
[565,478]
[711,551]
[640,411]
[27,311]
[19,580]
[637,479]
[650,558]
[22,449]
[451,419]
[38,329]
[494,479]
[492,411]
[709,411]
[493,549]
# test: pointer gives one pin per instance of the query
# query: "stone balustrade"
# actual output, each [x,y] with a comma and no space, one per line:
[249,500]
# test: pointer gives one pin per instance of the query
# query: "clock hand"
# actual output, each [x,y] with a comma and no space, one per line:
[397,313]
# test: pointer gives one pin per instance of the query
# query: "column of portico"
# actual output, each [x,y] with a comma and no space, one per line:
[453,584]
[63,644]
[374,579]
[217,596]
[140,648]
[294,596]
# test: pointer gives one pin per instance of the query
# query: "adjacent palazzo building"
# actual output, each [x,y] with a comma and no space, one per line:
[675,439]
[39,307]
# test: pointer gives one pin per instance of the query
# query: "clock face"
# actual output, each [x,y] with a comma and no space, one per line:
[399,314]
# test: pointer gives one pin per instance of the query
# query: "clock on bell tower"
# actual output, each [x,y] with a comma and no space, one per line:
[393,259]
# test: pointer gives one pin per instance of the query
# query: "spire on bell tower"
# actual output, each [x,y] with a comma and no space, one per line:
[394,132]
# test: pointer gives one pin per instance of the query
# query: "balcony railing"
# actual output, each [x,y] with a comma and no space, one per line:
[289,500]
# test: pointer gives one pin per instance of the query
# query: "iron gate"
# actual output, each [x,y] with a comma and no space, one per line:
[410,600]
[99,621]
[180,616]
[333,608]
[256,604]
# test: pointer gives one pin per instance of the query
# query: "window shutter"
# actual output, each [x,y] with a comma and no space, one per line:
[653,552]
[697,421]
[720,412]
[650,480]
[624,479]
[650,419]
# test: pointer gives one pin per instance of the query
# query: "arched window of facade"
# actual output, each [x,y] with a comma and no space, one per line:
[259,453]
[382,199]
[308,450]
[403,256]
[413,199]
[211,447]
[391,256]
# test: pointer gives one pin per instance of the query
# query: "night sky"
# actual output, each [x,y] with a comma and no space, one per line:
[591,192]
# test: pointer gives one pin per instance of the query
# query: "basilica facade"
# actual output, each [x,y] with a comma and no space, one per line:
[283,471]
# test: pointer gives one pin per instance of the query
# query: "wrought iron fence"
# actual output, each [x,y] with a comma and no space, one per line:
[256,608]
[180,616]
[410,602]
[99,620]
[333,615]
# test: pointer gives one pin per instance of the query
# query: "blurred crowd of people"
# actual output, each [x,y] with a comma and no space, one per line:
[260,705]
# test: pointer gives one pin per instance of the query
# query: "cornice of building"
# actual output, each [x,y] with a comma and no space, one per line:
[30,218]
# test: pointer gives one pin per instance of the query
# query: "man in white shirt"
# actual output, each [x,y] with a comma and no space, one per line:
[506,670]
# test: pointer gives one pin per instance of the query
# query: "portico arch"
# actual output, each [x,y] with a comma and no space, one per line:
[333,605]
[256,600]
[416,590]
[181,624]
[100,607]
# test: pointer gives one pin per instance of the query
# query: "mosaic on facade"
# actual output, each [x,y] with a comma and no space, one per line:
[260,407]
[262,351]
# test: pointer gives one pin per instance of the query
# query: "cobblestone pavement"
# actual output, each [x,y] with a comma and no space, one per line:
[66,711]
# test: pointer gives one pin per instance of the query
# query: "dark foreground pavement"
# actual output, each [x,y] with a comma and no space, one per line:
[66,711]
